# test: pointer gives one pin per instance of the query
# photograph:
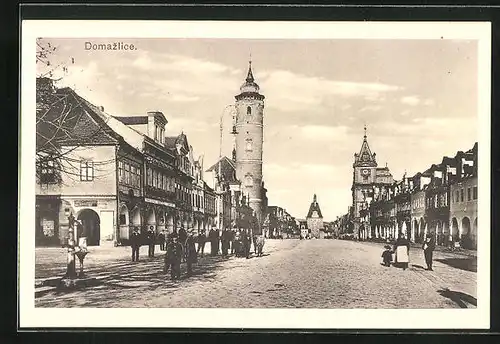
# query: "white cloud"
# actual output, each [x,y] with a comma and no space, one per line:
[323,132]
[183,98]
[429,102]
[373,108]
[290,91]
[410,100]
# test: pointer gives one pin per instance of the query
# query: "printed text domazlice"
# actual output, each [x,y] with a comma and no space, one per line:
[109,46]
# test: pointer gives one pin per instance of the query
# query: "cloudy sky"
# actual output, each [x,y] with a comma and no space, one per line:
[418,99]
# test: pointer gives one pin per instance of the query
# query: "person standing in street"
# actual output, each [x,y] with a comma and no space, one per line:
[182,235]
[174,256]
[151,241]
[161,239]
[233,236]
[213,236]
[428,247]
[191,254]
[246,244]
[166,258]
[402,249]
[226,240]
[202,239]
[135,243]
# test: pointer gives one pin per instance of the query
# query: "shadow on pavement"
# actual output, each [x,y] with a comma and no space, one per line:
[461,299]
[147,273]
[417,266]
[468,264]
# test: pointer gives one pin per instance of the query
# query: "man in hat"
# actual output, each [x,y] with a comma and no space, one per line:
[174,256]
[151,241]
[202,239]
[161,239]
[135,243]
[428,246]
[246,244]
[191,254]
[226,240]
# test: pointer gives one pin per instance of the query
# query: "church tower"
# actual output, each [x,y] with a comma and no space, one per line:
[249,141]
[364,173]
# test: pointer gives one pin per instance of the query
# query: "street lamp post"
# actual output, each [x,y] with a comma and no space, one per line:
[221,192]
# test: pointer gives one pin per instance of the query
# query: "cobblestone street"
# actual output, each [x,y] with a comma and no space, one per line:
[292,273]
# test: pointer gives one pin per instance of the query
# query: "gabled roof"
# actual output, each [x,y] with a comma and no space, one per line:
[448,161]
[64,118]
[365,154]
[132,120]
[314,207]
[130,136]
[171,142]
[227,167]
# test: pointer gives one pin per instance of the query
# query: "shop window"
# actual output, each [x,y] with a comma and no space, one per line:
[86,170]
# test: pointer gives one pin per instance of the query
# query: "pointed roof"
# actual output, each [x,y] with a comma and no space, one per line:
[314,207]
[365,155]
[249,87]
[250,78]
[228,169]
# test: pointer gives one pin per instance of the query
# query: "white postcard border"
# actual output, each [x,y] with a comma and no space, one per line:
[29,316]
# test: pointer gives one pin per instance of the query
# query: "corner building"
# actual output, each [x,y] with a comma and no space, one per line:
[249,141]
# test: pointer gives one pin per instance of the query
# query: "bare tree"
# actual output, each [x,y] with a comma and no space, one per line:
[57,112]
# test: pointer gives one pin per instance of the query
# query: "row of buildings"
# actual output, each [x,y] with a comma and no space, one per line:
[114,173]
[441,200]
[282,224]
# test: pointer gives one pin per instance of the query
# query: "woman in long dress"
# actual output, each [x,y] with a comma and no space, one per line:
[402,249]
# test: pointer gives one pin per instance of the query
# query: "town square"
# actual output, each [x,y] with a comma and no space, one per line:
[239,173]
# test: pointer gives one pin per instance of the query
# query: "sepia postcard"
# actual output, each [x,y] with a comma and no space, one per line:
[288,175]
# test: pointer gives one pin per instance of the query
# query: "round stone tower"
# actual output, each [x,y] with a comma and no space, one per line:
[249,141]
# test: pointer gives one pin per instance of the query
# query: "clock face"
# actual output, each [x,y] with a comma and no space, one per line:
[315,213]
[365,172]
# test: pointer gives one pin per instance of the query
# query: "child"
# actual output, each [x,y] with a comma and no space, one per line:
[387,255]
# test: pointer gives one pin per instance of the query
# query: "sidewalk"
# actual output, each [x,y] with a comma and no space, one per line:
[51,262]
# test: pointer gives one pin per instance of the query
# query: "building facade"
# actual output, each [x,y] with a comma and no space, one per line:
[368,179]
[113,174]
[441,201]
[463,201]
[249,142]
[314,219]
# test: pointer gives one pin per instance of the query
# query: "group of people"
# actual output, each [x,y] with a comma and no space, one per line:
[181,246]
[401,251]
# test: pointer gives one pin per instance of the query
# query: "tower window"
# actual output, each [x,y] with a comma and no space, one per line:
[248,146]
[248,180]
[249,110]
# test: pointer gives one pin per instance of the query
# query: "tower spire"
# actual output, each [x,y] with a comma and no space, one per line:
[365,132]
[250,74]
